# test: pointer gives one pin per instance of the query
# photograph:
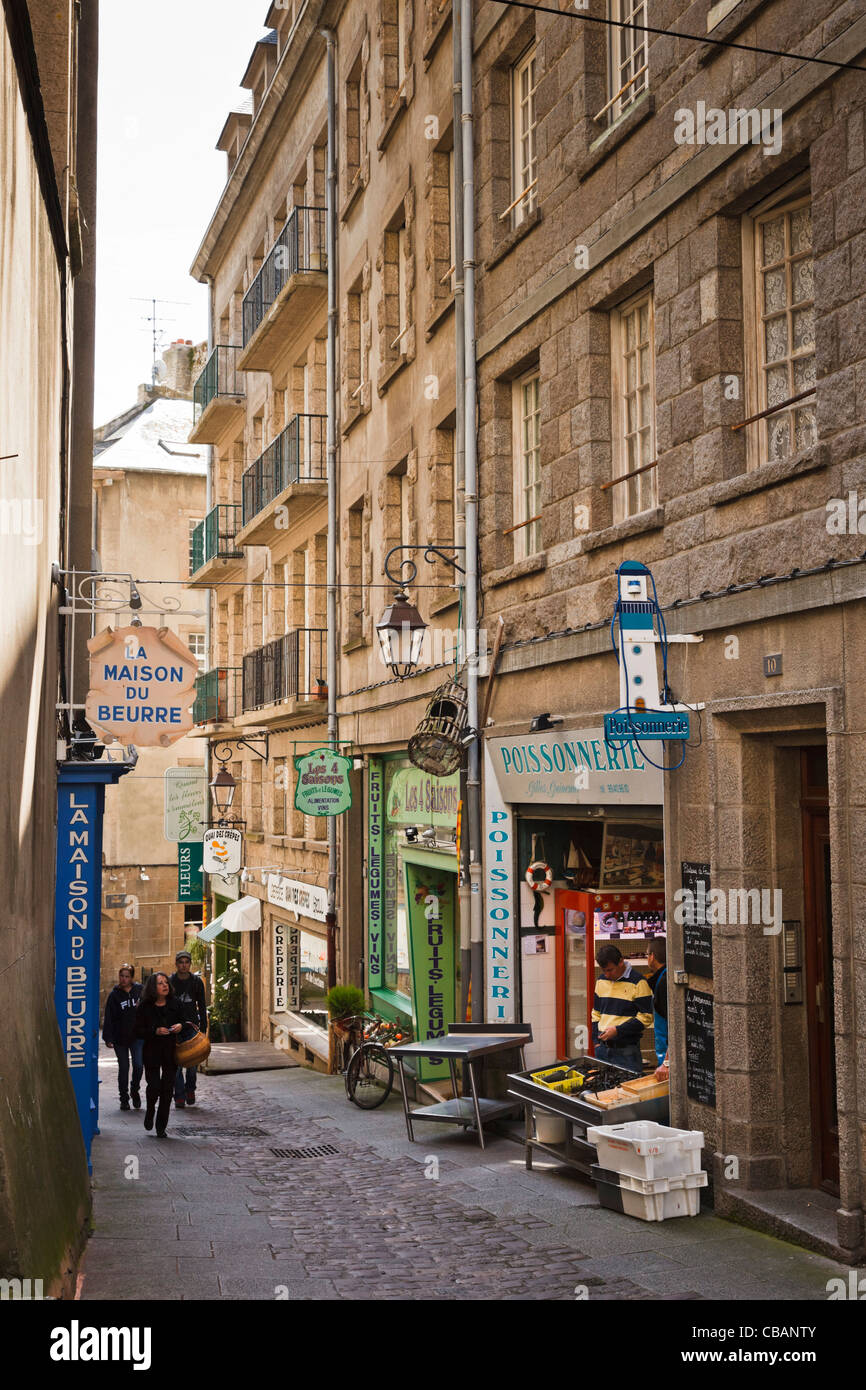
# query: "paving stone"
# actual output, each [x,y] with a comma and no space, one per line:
[233,1221]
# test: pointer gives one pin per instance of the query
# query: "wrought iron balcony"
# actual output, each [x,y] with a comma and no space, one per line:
[217,695]
[219,385]
[291,668]
[214,538]
[297,455]
[299,248]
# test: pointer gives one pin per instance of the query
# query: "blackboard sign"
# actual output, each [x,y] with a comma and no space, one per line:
[700,1048]
[697,934]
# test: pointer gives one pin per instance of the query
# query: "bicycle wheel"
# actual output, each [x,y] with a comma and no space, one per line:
[370,1076]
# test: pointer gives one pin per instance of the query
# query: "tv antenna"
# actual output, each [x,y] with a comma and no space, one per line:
[155,322]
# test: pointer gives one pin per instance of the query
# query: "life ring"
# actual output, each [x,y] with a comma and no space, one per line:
[539,885]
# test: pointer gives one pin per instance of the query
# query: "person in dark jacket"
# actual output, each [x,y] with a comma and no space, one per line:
[159,1019]
[658,983]
[189,989]
[118,1031]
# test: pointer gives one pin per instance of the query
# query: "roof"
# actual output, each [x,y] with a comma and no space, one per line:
[154,440]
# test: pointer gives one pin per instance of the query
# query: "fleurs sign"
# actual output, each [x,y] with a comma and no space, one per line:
[322,787]
[142,685]
[222,851]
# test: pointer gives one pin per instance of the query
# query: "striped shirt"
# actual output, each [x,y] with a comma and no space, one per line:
[625,1004]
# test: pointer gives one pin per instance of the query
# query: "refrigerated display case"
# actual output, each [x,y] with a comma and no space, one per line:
[584,921]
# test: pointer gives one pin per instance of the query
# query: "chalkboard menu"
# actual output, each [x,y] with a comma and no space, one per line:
[700,1048]
[697,933]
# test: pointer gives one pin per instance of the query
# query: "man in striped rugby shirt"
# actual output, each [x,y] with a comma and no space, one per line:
[622,1008]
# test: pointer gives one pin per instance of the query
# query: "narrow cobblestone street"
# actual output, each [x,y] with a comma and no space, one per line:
[215,1212]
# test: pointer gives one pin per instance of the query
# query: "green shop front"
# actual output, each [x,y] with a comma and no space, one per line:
[412,916]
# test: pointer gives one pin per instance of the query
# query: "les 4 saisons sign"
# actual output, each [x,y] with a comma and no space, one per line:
[142,685]
[323,787]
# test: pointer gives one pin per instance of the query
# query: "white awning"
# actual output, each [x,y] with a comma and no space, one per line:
[243,915]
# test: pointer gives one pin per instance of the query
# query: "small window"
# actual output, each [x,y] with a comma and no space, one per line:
[527,465]
[523,131]
[784,331]
[633,399]
[196,642]
[194,521]
[627,65]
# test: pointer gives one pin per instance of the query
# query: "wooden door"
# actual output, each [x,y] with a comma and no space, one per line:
[818,937]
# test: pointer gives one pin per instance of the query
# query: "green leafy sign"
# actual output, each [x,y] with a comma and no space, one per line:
[322,786]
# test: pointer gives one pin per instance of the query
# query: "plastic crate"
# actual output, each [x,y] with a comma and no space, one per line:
[647,1185]
[645,1149]
[671,1197]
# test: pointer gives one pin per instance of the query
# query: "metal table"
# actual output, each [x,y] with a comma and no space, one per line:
[469,1048]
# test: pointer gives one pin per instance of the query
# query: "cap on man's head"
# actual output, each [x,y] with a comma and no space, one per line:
[183,955]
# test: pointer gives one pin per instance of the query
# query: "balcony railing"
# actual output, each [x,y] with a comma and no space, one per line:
[297,455]
[291,668]
[217,695]
[299,247]
[220,377]
[214,538]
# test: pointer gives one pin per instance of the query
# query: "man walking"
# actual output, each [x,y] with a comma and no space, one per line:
[189,989]
[622,1009]
[118,1031]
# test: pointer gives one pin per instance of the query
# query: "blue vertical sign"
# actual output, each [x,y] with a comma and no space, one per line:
[77,921]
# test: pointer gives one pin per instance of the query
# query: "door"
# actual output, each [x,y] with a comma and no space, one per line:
[818,926]
[574,919]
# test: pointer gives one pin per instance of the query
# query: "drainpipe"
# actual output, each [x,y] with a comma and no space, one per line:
[473,777]
[460,474]
[331,221]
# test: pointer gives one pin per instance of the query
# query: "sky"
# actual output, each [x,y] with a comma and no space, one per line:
[168,75]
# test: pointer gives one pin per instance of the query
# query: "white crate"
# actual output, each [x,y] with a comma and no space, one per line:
[651,1206]
[645,1149]
[647,1185]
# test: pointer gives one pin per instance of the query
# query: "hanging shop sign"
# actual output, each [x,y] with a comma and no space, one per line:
[322,785]
[185,796]
[287,967]
[190,880]
[430,897]
[142,685]
[573,767]
[305,898]
[651,725]
[223,847]
[417,797]
[375,875]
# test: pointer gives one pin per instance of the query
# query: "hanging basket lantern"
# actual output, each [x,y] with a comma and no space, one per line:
[437,745]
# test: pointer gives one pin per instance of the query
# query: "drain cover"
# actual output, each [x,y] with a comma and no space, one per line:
[207,1131]
[314,1151]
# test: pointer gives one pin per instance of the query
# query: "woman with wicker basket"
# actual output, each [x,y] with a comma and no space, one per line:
[160,1017]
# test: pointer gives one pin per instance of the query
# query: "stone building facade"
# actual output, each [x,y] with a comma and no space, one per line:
[48,71]
[665,288]
[670,369]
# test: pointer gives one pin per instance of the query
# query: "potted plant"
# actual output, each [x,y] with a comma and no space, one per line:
[344,1001]
[225,1009]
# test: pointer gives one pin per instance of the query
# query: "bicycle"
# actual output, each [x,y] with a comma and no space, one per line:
[369,1072]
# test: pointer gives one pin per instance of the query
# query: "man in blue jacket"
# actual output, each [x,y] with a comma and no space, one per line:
[118,1031]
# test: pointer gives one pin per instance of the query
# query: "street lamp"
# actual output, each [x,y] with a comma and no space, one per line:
[222,790]
[401,635]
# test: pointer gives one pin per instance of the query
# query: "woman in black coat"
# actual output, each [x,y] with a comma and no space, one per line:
[159,1019]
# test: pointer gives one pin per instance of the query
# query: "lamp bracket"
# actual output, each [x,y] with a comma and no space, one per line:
[248,742]
[432,553]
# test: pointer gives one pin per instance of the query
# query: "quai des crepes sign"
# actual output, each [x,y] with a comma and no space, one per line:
[142,685]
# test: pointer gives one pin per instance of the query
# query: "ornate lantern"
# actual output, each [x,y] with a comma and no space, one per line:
[437,745]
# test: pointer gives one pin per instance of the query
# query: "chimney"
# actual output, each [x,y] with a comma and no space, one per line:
[178,361]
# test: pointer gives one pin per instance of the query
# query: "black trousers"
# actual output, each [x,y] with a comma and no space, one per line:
[159,1076]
